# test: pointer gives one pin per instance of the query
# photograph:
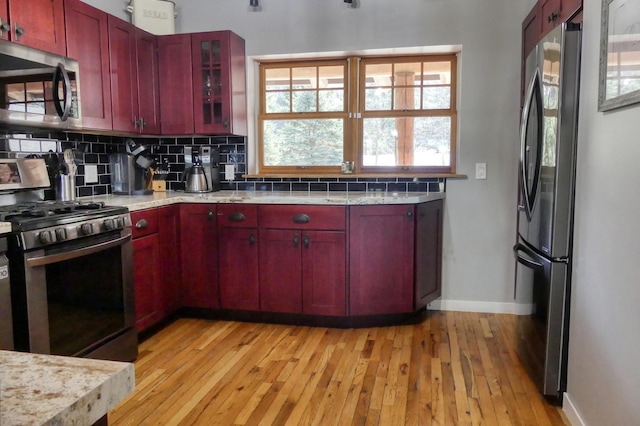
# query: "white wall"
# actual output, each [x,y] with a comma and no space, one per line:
[604,346]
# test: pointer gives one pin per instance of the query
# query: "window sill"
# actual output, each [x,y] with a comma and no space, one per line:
[358,175]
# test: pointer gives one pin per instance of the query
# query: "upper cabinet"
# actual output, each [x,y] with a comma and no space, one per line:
[34,23]
[133,68]
[219,85]
[88,43]
[176,84]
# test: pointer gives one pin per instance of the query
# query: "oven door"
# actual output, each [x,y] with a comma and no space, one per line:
[80,296]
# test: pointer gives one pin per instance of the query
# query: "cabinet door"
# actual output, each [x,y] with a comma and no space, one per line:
[176,84]
[87,42]
[550,14]
[428,253]
[219,83]
[238,263]
[145,281]
[324,273]
[280,271]
[170,271]
[148,116]
[381,242]
[41,23]
[199,256]
[123,74]
[568,8]
[5,27]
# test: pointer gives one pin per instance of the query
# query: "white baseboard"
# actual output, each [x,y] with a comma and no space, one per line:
[571,412]
[484,307]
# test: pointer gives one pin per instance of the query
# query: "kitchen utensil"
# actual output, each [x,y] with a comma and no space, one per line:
[196,178]
[69,159]
[65,187]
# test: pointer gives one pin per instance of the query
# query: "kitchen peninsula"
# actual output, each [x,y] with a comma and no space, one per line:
[53,390]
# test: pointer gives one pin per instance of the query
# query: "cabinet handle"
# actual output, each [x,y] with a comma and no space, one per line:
[226,123]
[301,218]
[252,239]
[143,123]
[142,224]
[296,240]
[409,213]
[19,31]
[210,215]
[552,17]
[236,217]
[136,122]
[305,241]
[4,27]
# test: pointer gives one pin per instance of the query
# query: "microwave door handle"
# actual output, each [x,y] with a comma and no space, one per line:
[62,108]
[73,254]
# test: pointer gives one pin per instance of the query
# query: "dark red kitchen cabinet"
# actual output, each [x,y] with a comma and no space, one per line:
[324,273]
[280,271]
[381,243]
[88,43]
[219,83]
[550,15]
[176,84]
[428,253]
[146,263]
[569,8]
[238,263]
[148,118]
[123,74]
[170,267]
[35,23]
[199,250]
[133,64]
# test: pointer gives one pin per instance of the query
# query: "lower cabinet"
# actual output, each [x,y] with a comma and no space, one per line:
[428,253]
[381,243]
[169,252]
[303,259]
[238,257]
[199,256]
[146,268]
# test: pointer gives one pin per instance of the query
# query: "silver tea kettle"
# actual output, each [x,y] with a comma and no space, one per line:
[196,178]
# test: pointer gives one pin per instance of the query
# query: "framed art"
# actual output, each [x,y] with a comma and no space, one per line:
[619,81]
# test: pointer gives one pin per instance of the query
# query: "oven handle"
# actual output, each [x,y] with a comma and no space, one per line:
[61,257]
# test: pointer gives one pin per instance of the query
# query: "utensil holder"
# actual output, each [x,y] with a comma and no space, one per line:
[66,188]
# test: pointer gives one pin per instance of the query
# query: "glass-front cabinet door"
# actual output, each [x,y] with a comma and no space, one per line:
[219,83]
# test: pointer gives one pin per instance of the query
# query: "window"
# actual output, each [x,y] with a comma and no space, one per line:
[386,114]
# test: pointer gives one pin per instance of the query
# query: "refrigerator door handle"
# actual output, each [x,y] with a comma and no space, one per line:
[534,93]
[526,260]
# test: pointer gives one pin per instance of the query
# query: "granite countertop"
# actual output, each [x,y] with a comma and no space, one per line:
[54,390]
[157,199]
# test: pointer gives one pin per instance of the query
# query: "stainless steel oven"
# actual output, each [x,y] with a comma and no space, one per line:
[71,273]
[75,298]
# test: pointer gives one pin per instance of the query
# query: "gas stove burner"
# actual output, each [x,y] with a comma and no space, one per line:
[46,209]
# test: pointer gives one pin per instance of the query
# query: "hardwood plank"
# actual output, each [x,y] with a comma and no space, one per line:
[452,369]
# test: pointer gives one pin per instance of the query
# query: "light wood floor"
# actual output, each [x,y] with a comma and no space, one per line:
[452,369]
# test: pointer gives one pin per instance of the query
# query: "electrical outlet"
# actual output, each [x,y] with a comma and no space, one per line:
[90,173]
[481,170]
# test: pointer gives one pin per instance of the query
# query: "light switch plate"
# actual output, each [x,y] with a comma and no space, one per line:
[229,171]
[481,170]
[90,173]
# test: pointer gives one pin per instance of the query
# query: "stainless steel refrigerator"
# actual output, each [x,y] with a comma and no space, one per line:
[545,209]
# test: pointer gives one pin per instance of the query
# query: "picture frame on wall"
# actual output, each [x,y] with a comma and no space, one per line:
[619,80]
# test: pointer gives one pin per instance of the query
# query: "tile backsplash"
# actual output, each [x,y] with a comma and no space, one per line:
[95,150]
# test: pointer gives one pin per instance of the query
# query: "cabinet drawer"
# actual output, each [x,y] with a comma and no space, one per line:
[238,215]
[302,217]
[144,222]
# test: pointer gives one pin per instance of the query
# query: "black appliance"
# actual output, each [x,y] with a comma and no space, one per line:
[71,273]
[6,324]
[38,88]
[545,223]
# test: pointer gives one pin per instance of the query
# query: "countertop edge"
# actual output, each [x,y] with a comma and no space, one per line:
[159,199]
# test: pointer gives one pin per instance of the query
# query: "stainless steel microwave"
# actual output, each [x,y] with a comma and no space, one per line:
[38,89]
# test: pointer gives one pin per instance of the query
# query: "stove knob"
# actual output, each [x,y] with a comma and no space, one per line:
[46,237]
[61,234]
[120,223]
[86,229]
[109,224]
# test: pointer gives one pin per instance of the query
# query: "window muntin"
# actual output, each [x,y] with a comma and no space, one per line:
[388,115]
